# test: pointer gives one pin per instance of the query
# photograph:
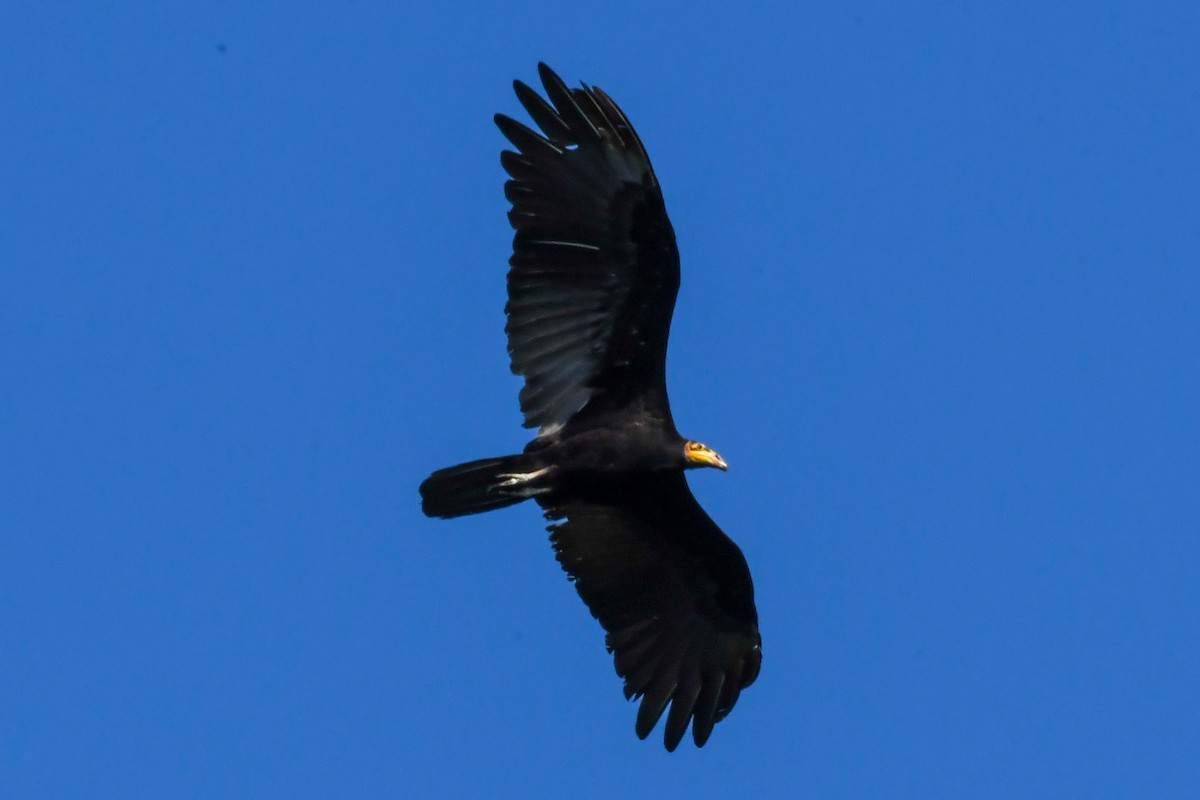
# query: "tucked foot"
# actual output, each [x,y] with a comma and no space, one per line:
[513,480]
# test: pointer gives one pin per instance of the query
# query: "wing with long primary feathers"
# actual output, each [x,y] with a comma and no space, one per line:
[595,270]
[671,590]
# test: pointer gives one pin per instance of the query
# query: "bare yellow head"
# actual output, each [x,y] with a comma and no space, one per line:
[701,455]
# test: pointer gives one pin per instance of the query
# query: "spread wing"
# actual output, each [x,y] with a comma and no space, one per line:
[594,271]
[672,592]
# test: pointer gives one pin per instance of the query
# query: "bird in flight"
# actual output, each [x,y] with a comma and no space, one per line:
[591,288]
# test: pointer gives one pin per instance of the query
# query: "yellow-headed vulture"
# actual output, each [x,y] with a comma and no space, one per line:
[592,285]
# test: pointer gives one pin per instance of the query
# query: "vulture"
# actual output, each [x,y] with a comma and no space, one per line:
[592,283]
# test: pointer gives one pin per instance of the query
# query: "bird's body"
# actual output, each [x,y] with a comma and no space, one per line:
[592,286]
[642,442]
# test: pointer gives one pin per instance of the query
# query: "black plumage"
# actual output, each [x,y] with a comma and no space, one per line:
[591,290]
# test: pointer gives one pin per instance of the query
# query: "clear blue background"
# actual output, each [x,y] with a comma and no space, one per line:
[940,312]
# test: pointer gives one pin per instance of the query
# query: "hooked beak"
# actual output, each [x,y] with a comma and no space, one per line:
[707,458]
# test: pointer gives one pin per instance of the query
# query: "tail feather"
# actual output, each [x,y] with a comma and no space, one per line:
[470,488]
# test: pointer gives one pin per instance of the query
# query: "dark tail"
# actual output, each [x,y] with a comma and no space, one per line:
[470,488]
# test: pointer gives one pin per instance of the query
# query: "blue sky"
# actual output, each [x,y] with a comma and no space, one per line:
[939,311]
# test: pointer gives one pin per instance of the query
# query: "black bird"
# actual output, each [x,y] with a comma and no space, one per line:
[592,285]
